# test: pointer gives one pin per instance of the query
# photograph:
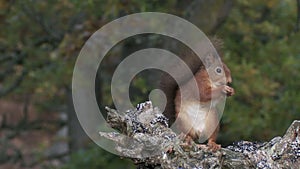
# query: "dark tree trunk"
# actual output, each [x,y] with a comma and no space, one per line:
[77,136]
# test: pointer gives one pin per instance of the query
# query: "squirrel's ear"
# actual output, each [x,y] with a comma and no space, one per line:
[218,44]
[209,60]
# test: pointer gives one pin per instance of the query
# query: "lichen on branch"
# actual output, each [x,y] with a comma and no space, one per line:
[145,137]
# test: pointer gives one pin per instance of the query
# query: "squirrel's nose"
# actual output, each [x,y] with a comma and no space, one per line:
[229,80]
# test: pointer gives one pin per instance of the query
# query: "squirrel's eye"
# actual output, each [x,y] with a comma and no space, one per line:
[218,70]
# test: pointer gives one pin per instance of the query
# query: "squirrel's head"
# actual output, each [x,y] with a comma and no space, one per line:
[218,71]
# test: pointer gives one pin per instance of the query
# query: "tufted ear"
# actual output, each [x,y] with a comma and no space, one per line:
[210,59]
[218,44]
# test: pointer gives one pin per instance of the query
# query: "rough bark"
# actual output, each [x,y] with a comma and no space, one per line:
[145,138]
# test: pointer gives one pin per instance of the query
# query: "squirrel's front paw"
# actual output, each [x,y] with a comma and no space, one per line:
[229,91]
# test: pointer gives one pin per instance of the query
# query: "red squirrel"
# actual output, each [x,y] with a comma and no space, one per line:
[197,118]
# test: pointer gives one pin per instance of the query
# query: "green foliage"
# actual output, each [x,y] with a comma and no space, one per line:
[263,54]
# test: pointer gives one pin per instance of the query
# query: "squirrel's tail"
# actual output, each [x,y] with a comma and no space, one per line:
[169,85]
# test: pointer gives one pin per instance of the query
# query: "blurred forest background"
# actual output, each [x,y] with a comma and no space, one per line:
[40,41]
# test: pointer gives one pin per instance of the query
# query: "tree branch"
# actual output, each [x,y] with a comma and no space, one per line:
[40,20]
[145,138]
[14,85]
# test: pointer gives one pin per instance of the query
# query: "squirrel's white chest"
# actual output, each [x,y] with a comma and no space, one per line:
[196,113]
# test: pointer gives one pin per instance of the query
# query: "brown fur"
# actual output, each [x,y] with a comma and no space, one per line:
[178,107]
